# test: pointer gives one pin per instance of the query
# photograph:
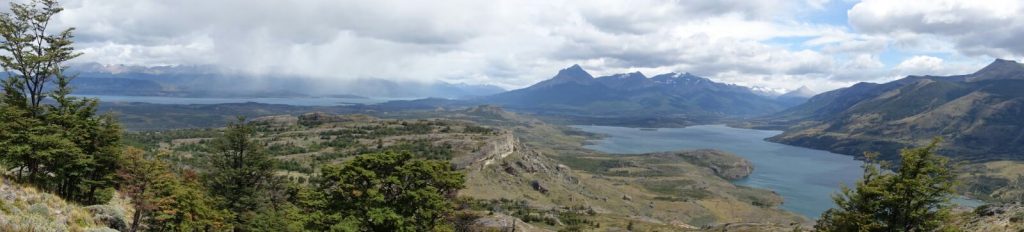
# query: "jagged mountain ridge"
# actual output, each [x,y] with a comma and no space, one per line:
[574,91]
[980,115]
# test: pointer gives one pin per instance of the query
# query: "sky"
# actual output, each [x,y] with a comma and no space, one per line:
[770,44]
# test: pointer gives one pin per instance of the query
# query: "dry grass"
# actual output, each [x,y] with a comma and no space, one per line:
[25,208]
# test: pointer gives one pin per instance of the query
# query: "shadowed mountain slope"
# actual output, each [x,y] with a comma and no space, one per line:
[573,91]
[980,115]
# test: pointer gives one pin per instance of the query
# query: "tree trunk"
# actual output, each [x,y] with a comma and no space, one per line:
[138,210]
[135,220]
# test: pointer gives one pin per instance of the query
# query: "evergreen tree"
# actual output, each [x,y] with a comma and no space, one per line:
[240,172]
[280,212]
[65,147]
[913,197]
[87,171]
[384,192]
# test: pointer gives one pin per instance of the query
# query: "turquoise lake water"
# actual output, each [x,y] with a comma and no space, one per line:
[805,178]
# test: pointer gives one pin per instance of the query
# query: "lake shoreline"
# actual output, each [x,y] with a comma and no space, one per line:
[806,178]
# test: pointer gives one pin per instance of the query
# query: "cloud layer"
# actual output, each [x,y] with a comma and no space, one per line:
[989,27]
[774,44]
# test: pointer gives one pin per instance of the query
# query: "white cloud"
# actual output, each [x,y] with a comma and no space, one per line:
[503,42]
[509,43]
[920,65]
[862,67]
[934,66]
[817,4]
[974,27]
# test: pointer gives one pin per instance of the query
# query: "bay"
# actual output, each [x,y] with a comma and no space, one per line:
[805,178]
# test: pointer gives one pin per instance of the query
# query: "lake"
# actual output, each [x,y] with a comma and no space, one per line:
[295,101]
[805,178]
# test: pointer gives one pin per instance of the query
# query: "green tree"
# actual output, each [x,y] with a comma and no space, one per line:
[186,207]
[164,201]
[240,172]
[384,192]
[87,170]
[284,218]
[65,148]
[914,197]
[147,182]
[33,58]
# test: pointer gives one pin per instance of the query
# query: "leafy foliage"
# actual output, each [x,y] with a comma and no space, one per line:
[240,171]
[915,197]
[65,148]
[384,192]
[165,201]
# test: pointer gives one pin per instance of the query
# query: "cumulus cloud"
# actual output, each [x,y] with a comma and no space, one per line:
[507,43]
[929,65]
[989,27]
[863,67]
[920,64]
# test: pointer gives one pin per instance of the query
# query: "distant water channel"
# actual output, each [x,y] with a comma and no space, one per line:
[805,178]
[295,101]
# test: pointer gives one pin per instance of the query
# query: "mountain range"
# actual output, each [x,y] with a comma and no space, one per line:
[980,116]
[573,91]
[208,81]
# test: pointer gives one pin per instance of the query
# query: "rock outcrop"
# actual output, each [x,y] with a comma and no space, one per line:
[502,222]
[996,217]
[723,164]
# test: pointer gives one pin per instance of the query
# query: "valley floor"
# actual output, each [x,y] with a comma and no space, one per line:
[529,174]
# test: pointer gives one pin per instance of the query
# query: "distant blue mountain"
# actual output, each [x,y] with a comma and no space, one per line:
[207,81]
[574,91]
[796,97]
